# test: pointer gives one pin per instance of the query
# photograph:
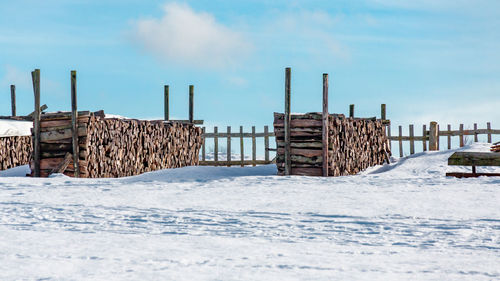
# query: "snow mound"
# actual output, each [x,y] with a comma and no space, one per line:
[9,128]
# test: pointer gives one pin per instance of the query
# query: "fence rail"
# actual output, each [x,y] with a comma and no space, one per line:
[431,138]
[241,135]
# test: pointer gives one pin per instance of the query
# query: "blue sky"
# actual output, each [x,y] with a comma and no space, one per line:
[427,60]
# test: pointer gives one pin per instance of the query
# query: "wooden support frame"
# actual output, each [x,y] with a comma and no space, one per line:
[287,121]
[325,125]
[13,99]
[433,136]
[191,103]
[351,110]
[228,146]
[166,100]
[74,123]
[35,76]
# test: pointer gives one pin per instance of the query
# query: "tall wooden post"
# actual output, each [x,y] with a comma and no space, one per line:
[74,126]
[351,110]
[433,136]
[35,76]
[325,125]
[13,99]
[287,121]
[166,107]
[191,103]
[382,112]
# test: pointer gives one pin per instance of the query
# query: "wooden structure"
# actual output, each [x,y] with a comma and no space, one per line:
[430,138]
[473,159]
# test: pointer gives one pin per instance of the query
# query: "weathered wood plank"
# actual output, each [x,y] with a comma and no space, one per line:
[351,110]
[74,122]
[35,75]
[63,165]
[424,138]
[400,139]
[254,146]
[13,99]
[242,148]
[461,135]
[412,140]
[472,175]
[475,133]
[166,100]
[383,112]
[312,172]
[433,136]
[191,103]
[303,152]
[266,143]
[228,146]
[449,136]
[61,134]
[203,156]
[216,147]
[325,126]
[287,121]
[303,123]
[488,131]
[463,158]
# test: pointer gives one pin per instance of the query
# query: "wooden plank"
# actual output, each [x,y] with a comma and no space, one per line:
[216,146]
[302,145]
[228,146]
[13,99]
[266,143]
[166,99]
[311,172]
[383,112]
[325,125]
[74,122]
[254,146]
[351,110]
[433,136]
[463,158]
[488,128]
[302,152]
[64,115]
[389,136]
[400,139]
[63,165]
[287,119]
[424,138]
[191,103]
[412,140]
[303,123]
[475,133]
[461,135]
[61,123]
[468,132]
[35,75]
[449,136]
[242,149]
[61,134]
[203,145]
[472,175]
[51,163]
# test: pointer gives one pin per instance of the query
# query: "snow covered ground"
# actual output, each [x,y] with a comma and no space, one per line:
[404,221]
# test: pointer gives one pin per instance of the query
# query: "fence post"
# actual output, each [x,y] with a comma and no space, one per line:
[433,136]
[166,101]
[461,135]
[449,136]
[216,146]
[400,139]
[74,125]
[266,143]
[475,133]
[325,125]
[287,121]
[13,99]
[228,146]
[412,140]
[35,76]
[203,139]
[382,111]
[191,103]
[488,127]
[254,148]
[424,137]
[351,110]
[242,149]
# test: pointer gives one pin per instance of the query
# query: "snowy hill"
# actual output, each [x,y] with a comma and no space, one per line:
[403,221]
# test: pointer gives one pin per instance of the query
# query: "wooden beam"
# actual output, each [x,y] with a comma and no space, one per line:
[472,175]
[461,135]
[325,125]
[216,146]
[424,137]
[449,137]
[351,110]
[288,162]
[433,136]
[463,158]
[383,112]
[475,133]
[191,103]
[254,147]
[35,76]
[242,149]
[13,99]
[63,165]
[203,140]
[266,143]
[488,128]
[412,140]
[228,146]
[166,107]
[74,123]
[400,139]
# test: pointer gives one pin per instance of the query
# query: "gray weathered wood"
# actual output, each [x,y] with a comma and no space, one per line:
[266,143]
[166,107]
[63,165]
[488,128]
[475,133]
[35,75]
[449,137]
[287,117]
[325,125]
[400,139]
[74,123]
[389,136]
[412,140]
[424,138]
[254,147]
[351,110]
[13,99]
[228,146]
[191,103]
[242,148]
[461,135]
[216,147]
[383,112]
[433,136]
[203,145]
[463,158]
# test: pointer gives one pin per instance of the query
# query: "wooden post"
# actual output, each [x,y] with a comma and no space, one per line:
[475,133]
[166,108]
[382,112]
[228,146]
[351,110]
[287,121]
[325,125]
[461,135]
[488,127]
[254,148]
[433,136]
[74,124]
[13,99]
[266,143]
[424,138]
[35,76]
[242,149]
[191,103]
[216,146]
[203,140]
[389,136]
[412,140]
[400,141]
[449,136]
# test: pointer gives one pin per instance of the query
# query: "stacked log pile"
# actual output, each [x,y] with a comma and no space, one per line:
[354,144]
[116,147]
[14,151]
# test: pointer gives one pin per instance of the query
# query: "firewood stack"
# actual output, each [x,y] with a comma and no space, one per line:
[111,147]
[495,147]
[14,151]
[354,144]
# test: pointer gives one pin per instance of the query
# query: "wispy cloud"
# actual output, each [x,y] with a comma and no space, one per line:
[191,38]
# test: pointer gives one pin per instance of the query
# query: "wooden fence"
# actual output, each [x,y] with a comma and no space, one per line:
[229,136]
[431,138]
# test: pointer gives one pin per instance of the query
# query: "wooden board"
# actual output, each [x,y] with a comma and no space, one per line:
[474,159]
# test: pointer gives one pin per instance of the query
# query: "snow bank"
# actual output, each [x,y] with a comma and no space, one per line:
[9,128]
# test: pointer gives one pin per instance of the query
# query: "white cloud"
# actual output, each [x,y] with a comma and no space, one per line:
[191,38]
